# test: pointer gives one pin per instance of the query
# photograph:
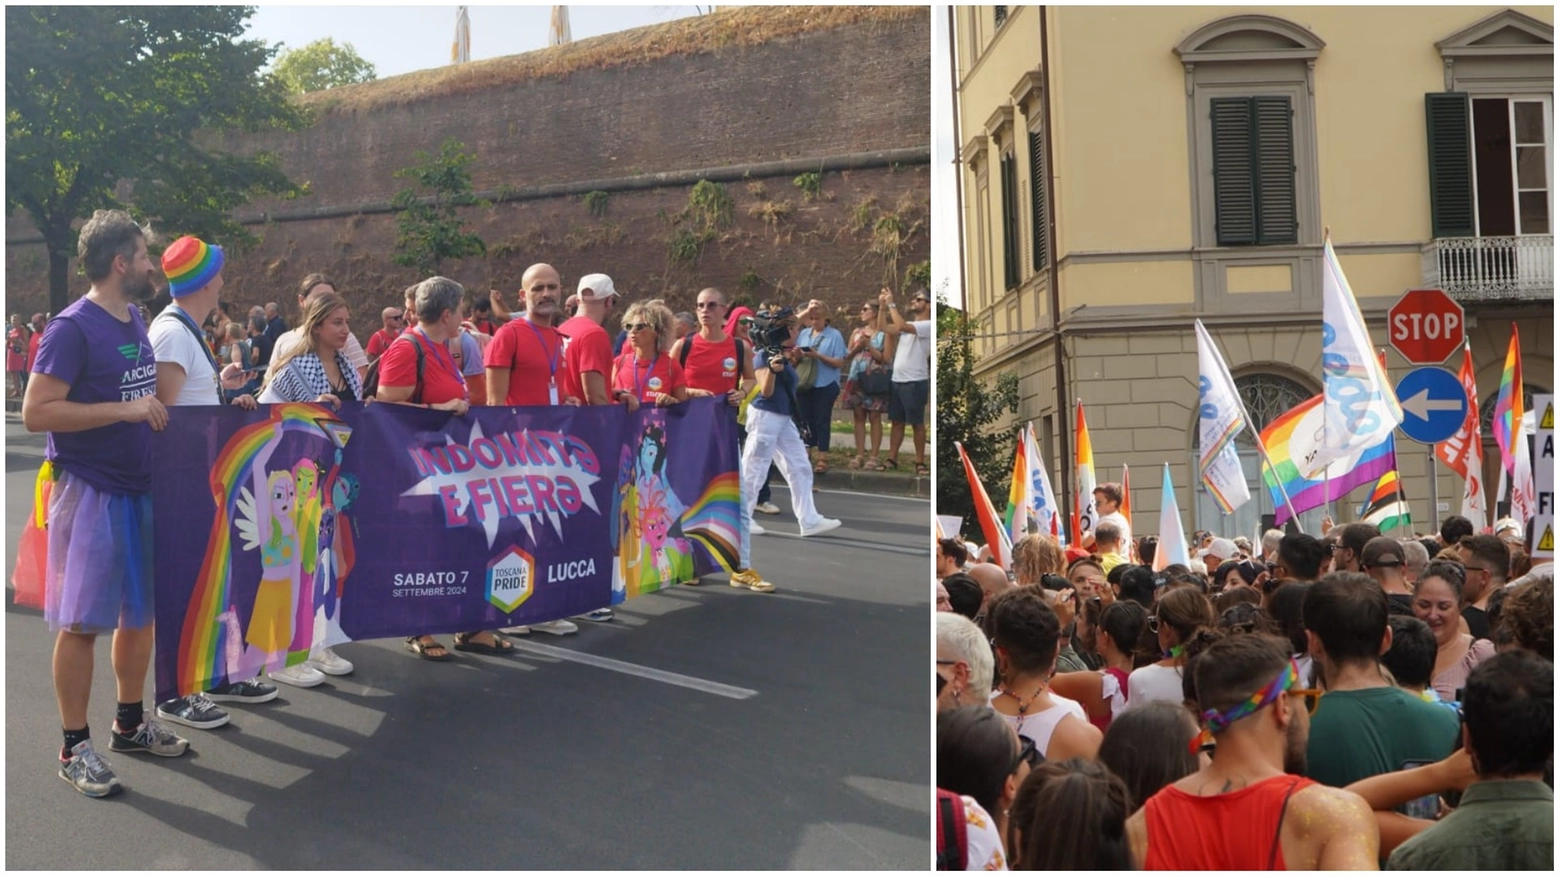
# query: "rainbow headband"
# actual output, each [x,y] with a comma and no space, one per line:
[190,264]
[1215,721]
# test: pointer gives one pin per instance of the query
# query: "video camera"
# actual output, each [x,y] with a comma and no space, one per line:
[772,329]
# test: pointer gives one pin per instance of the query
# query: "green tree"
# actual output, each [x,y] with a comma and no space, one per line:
[103,109]
[431,229]
[966,409]
[322,64]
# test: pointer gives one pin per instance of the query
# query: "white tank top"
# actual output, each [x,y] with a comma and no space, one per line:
[1041,725]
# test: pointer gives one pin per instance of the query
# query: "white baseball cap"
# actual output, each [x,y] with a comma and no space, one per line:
[599,286]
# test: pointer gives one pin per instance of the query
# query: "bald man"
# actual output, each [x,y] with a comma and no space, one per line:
[525,361]
[993,582]
[391,326]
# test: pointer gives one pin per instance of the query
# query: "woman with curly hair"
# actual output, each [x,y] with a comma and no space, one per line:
[1035,556]
[647,373]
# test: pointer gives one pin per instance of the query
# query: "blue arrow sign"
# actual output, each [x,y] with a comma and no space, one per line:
[1434,404]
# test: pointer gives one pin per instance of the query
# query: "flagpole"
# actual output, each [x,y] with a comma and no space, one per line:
[1262,448]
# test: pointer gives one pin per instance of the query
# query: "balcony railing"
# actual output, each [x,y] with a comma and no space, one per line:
[1492,268]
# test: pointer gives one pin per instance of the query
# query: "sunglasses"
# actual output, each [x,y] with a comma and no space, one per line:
[638,327]
[1313,697]
[744,322]
[707,305]
[1027,754]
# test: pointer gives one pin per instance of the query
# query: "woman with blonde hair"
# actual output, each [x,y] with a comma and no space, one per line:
[1034,556]
[871,355]
[647,372]
[318,370]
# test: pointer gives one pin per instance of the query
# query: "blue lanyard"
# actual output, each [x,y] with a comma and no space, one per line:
[639,385]
[200,339]
[553,356]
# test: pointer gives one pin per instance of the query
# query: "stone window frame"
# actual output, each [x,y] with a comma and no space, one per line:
[978,164]
[999,131]
[1278,70]
[1026,96]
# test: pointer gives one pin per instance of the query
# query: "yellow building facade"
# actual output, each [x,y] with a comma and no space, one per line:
[1125,171]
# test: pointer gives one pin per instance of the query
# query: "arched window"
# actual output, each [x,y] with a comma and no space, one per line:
[1267,397]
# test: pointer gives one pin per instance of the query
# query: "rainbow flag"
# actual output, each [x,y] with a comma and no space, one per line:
[1084,516]
[1126,496]
[1508,405]
[1386,507]
[1017,515]
[996,535]
[1294,438]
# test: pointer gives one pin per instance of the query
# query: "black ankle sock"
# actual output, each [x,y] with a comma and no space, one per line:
[74,737]
[129,716]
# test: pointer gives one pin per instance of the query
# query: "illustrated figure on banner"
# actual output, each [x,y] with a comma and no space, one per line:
[336,546]
[652,548]
[268,521]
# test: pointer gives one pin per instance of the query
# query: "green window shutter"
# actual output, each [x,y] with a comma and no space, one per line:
[1451,165]
[1009,222]
[1000,14]
[1275,171]
[1037,181]
[1234,157]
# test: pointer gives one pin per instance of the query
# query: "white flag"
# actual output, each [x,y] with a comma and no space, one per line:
[460,52]
[1220,417]
[1048,514]
[1172,539]
[1524,503]
[1360,408]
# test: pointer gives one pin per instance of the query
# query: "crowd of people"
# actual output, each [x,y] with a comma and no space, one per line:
[104,373]
[1351,701]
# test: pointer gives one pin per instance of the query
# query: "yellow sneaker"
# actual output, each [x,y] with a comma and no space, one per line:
[750,579]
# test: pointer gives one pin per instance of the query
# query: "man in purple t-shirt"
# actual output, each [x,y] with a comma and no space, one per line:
[94,391]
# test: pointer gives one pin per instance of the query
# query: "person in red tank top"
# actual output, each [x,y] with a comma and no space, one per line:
[1249,809]
[709,357]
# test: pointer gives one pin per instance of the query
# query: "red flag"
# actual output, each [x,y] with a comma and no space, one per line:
[986,514]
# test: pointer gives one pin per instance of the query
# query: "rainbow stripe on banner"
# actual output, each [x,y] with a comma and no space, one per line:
[1295,437]
[713,520]
[201,642]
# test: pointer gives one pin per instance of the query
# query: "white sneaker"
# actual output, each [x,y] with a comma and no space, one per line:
[331,664]
[303,676]
[757,529]
[557,628]
[602,615]
[767,508]
[516,630]
[823,525]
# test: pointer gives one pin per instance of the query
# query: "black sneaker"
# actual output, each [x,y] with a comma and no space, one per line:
[195,711]
[246,691]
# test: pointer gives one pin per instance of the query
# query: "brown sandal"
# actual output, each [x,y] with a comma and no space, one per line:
[425,650]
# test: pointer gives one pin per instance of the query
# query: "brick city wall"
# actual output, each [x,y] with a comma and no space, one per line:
[851,91]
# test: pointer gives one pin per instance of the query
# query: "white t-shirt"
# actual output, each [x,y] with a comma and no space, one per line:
[913,357]
[1120,521]
[293,339]
[172,341]
[1153,683]
[982,844]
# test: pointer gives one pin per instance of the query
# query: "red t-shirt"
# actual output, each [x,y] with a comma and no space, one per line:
[712,365]
[1235,831]
[442,381]
[32,349]
[660,375]
[586,348]
[379,341]
[534,356]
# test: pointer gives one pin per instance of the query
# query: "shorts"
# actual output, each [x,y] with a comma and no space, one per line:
[99,572]
[907,402]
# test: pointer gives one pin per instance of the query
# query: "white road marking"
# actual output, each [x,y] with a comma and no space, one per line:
[716,688]
[787,489]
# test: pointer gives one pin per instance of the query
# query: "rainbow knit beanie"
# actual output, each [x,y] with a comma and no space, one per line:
[190,264]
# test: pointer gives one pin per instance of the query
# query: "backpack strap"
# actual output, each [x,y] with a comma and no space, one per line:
[682,353]
[200,341]
[951,843]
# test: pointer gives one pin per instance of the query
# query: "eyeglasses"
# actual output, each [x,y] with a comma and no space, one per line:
[707,305]
[941,662]
[1027,754]
[1313,697]
[638,327]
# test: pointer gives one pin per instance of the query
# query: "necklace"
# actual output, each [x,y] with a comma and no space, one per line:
[1023,705]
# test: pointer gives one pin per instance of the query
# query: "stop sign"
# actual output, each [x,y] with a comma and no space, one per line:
[1425,325]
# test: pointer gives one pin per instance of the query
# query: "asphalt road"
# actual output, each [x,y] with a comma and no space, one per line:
[796,735]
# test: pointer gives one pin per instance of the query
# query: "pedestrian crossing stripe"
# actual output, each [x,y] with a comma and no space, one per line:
[1547,543]
[1548,421]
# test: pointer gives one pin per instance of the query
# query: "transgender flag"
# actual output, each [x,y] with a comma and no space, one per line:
[1295,438]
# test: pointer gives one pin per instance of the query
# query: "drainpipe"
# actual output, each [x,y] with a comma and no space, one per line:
[958,160]
[1064,411]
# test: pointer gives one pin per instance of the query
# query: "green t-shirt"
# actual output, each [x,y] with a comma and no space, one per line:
[1359,734]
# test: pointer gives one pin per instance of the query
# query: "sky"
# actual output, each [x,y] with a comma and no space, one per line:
[401,39]
[945,215]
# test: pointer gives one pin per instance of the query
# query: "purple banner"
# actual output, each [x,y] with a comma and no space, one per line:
[294,527]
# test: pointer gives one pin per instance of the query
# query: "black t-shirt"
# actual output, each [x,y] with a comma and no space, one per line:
[1400,604]
[1478,622]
